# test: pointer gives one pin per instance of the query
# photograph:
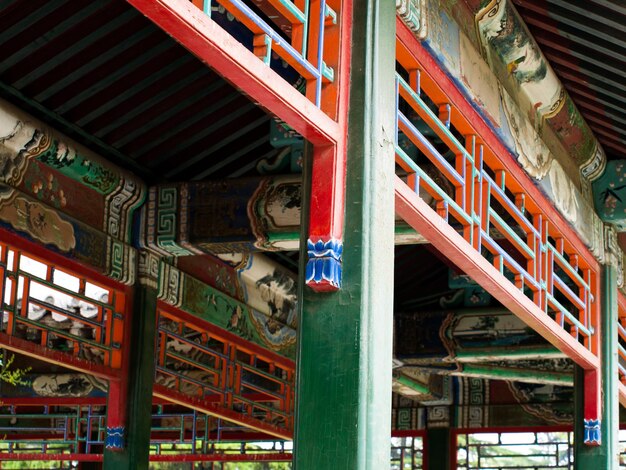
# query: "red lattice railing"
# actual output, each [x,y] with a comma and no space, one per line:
[218,373]
[461,188]
[58,314]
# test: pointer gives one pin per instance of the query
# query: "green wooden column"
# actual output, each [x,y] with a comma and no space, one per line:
[604,456]
[343,404]
[438,448]
[135,454]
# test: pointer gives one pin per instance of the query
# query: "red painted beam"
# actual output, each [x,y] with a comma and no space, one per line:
[621,305]
[51,457]
[327,207]
[260,457]
[36,351]
[215,47]
[213,409]
[267,457]
[442,236]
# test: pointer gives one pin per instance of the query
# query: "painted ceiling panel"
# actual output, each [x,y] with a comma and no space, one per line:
[585,42]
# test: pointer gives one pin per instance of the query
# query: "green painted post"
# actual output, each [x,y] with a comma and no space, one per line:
[343,404]
[438,449]
[135,454]
[604,456]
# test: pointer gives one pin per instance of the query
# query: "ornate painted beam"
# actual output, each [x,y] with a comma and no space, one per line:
[24,217]
[274,330]
[449,34]
[232,216]
[512,55]
[467,336]
[57,172]
[478,404]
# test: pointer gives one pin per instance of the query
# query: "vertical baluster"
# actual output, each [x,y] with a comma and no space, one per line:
[442,209]
[397,110]
[232,379]
[550,272]
[13,290]
[486,209]
[465,168]
[478,199]
[181,428]
[415,76]
[194,431]
[541,260]
[162,344]
[299,31]
[531,265]
[445,114]
[584,314]
[3,284]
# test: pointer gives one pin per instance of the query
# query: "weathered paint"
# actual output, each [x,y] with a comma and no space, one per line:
[231,216]
[497,30]
[273,329]
[251,278]
[32,219]
[443,338]
[609,195]
[451,40]
[60,173]
[354,367]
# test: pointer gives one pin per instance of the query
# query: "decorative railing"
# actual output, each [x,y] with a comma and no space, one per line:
[407,452]
[621,345]
[523,450]
[31,432]
[292,30]
[490,208]
[72,432]
[245,383]
[77,319]
[190,435]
